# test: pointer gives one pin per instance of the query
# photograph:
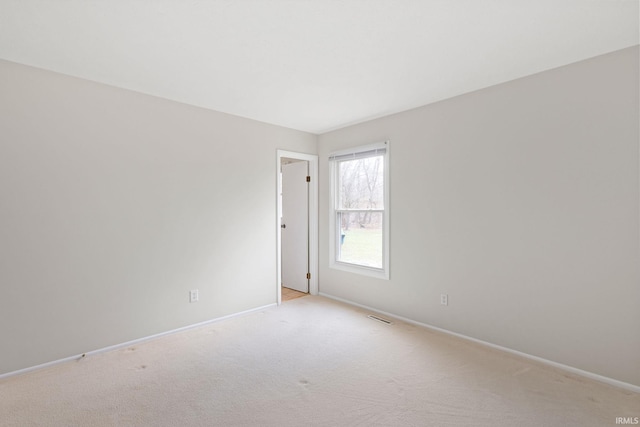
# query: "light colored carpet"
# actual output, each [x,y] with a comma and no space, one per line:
[311,361]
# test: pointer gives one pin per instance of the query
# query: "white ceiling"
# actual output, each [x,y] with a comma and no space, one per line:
[313,65]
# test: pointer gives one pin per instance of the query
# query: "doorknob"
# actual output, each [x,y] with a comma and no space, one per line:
[283,226]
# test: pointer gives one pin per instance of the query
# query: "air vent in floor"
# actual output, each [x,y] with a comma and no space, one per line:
[380,319]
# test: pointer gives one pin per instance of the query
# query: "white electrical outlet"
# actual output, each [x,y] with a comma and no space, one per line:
[444,299]
[193,295]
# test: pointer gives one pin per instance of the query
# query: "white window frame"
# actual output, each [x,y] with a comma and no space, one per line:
[334,231]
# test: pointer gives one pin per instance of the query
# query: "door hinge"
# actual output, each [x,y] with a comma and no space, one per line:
[308,276]
[308,178]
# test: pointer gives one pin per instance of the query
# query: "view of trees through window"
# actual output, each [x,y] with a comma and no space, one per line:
[360,211]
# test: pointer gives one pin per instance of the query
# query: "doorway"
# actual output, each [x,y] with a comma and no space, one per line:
[297,223]
[294,224]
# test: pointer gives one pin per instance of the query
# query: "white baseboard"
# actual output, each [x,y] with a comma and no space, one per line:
[130,343]
[587,374]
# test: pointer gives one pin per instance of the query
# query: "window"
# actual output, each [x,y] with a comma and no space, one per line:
[359,220]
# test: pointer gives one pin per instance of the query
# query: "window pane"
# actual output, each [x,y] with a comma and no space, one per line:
[361,183]
[360,239]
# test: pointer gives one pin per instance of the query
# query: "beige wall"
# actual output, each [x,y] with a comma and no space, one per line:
[520,201]
[113,205]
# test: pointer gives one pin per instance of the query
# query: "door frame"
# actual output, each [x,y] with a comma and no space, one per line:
[313,219]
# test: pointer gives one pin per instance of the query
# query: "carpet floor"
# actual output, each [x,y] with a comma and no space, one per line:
[309,362]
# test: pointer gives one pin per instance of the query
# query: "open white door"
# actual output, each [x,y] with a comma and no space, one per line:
[295,226]
[284,157]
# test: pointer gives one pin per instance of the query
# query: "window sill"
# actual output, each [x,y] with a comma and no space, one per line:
[378,273]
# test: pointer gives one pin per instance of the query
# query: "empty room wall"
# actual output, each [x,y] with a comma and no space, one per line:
[519,201]
[113,205]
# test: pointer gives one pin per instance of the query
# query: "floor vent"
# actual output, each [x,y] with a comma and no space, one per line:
[380,319]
